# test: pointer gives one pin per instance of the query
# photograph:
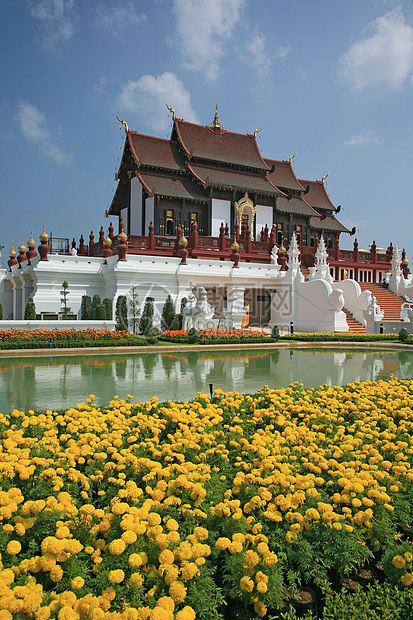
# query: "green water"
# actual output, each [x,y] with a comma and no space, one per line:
[60,382]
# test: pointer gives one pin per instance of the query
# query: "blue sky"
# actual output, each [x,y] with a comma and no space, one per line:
[330,79]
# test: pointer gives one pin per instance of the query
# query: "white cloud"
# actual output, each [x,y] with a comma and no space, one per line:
[58,20]
[202,26]
[282,52]
[365,138]
[147,97]
[384,56]
[118,18]
[257,56]
[34,127]
[102,84]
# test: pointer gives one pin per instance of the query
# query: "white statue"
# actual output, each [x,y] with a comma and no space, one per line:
[73,252]
[197,310]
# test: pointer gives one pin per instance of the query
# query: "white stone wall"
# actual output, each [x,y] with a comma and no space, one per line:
[221,213]
[263,216]
[136,207]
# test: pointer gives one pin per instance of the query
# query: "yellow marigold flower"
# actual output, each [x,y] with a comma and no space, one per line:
[136,580]
[117,547]
[63,532]
[398,561]
[246,584]
[407,579]
[408,557]
[251,558]
[177,591]
[262,587]
[154,519]
[116,576]
[77,583]
[166,602]
[56,574]
[172,525]
[222,544]
[187,613]
[129,537]
[260,608]
[14,547]
[166,557]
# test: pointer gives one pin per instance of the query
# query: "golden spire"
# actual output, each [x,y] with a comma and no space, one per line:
[216,122]
[257,131]
[12,252]
[44,236]
[123,123]
[172,111]
[324,177]
[108,240]
[22,247]
[31,242]
[292,157]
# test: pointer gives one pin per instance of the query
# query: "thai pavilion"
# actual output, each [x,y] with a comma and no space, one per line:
[208,175]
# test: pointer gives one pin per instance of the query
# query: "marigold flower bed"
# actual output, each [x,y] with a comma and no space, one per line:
[73,338]
[215,336]
[166,511]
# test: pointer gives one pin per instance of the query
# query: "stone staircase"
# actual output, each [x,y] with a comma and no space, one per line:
[354,326]
[388,301]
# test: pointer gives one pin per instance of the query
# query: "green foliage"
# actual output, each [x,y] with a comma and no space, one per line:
[184,301]
[108,308]
[168,315]
[403,335]
[86,308]
[96,301]
[121,313]
[134,308]
[275,332]
[100,312]
[64,292]
[1,312]
[193,335]
[30,310]
[146,319]
[152,335]
[340,337]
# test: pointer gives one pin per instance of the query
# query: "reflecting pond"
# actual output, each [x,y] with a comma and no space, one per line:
[58,382]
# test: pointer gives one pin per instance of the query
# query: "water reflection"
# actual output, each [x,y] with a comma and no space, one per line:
[61,382]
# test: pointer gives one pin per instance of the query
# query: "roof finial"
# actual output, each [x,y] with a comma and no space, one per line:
[324,177]
[172,111]
[216,122]
[292,157]
[123,123]
[257,131]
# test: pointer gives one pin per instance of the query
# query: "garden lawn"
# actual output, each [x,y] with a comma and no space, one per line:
[177,511]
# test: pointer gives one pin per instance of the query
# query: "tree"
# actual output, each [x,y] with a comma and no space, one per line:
[145,323]
[30,310]
[134,308]
[100,312]
[108,307]
[95,303]
[85,308]
[1,312]
[168,315]
[64,292]
[121,313]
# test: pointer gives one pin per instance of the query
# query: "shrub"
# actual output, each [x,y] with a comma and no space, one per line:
[30,310]
[96,301]
[152,335]
[275,332]
[108,308]
[146,319]
[193,335]
[86,308]
[168,315]
[100,312]
[1,312]
[403,335]
[64,292]
[121,313]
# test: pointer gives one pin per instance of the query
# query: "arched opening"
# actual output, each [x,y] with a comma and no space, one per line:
[245,212]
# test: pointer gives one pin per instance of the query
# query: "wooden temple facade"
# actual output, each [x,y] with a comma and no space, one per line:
[209,176]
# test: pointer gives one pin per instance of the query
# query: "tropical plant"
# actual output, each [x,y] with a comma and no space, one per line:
[96,301]
[134,308]
[108,308]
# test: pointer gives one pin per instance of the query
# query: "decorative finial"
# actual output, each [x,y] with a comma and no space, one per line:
[292,157]
[216,122]
[257,131]
[12,252]
[22,247]
[324,177]
[44,236]
[31,242]
[172,111]
[123,123]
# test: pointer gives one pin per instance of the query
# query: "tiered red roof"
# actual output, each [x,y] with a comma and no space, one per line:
[282,175]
